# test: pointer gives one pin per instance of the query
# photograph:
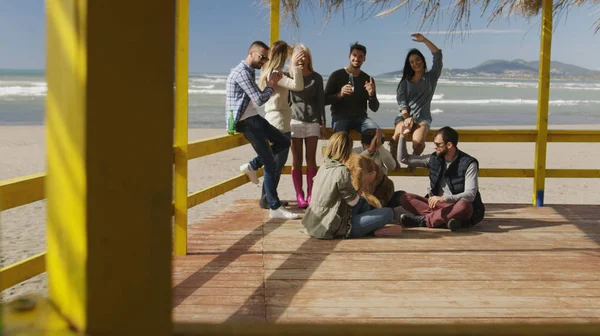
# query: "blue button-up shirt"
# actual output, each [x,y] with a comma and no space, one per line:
[241,88]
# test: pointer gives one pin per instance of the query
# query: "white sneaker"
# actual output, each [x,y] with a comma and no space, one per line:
[282,213]
[246,169]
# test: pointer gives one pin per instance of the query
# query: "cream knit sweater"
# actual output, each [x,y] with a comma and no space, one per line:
[278,111]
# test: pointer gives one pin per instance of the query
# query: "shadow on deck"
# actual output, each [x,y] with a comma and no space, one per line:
[521,264]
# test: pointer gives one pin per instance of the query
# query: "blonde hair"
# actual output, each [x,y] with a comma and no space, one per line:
[301,47]
[339,147]
[359,167]
[278,54]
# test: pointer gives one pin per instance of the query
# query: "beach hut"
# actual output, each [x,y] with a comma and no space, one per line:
[110,184]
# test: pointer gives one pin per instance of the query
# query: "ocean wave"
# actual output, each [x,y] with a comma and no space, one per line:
[198,87]
[437,111]
[22,91]
[511,84]
[209,79]
[558,102]
[391,98]
[207,91]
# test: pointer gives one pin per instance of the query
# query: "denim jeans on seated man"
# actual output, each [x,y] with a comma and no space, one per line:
[359,124]
[259,133]
[280,160]
[366,219]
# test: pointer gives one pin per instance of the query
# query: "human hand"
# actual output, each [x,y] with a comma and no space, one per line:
[406,130]
[274,78]
[418,37]
[346,90]
[409,122]
[323,131]
[370,86]
[434,200]
[298,59]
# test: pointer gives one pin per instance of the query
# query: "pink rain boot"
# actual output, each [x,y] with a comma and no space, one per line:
[297,178]
[310,175]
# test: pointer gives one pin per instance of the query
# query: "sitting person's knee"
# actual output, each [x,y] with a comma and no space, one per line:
[418,145]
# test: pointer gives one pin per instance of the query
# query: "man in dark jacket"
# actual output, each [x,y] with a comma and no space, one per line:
[453,197]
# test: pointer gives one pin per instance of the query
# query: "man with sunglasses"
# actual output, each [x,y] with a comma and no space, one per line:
[453,197]
[242,95]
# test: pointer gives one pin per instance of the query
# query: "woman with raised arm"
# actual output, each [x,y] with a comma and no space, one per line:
[308,123]
[415,92]
[278,111]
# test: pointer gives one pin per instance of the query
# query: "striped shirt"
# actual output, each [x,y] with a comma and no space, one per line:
[241,90]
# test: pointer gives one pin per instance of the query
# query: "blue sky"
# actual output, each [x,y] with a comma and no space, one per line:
[220,32]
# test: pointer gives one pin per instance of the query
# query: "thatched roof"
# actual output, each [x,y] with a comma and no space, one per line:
[429,11]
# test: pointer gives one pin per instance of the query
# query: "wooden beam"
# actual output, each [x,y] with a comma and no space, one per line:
[181,129]
[275,8]
[25,269]
[21,190]
[110,116]
[543,101]
[252,329]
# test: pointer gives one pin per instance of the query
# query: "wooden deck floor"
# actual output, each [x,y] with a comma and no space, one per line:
[521,264]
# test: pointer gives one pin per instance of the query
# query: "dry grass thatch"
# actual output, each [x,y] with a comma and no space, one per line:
[430,10]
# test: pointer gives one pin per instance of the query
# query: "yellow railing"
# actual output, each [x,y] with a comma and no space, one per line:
[27,189]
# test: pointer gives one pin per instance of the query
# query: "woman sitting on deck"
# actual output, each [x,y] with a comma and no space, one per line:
[337,209]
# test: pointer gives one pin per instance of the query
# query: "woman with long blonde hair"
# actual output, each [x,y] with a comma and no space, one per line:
[364,174]
[278,111]
[337,209]
[308,123]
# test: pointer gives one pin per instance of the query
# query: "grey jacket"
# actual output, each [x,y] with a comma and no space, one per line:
[328,214]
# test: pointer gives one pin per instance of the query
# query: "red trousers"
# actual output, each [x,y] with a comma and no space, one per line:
[443,212]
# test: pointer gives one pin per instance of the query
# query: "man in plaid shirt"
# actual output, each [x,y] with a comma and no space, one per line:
[242,91]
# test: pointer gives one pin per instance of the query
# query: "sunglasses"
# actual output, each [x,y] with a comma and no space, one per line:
[438,144]
[263,57]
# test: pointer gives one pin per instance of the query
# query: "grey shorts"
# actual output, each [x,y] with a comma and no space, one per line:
[401,118]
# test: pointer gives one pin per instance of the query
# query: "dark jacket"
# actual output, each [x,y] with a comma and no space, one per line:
[455,177]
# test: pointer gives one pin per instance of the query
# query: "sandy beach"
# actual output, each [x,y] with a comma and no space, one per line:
[22,149]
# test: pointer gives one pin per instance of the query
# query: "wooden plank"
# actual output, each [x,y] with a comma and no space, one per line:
[216,144]
[25,269]
[522,264]
[22,190]
[417,326]
[307,313]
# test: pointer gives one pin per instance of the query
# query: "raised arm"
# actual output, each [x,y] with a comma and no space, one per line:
[471,185]
[247,83]
[293,84]
[411,160]
[436,68]
[373,101]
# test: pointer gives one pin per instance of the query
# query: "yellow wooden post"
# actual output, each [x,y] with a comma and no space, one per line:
[181,128]
[275,8]
[543,98]
[110,116]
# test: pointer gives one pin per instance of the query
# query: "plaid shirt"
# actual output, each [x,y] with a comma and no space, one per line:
[241,88]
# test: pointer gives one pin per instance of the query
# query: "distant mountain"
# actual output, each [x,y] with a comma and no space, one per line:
[516,69]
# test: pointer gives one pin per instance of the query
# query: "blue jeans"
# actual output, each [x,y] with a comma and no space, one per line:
[259,133]
[345,124]
[366,220]
[280,160]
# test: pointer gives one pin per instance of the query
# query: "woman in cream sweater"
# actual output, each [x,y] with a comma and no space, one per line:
[278,111]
